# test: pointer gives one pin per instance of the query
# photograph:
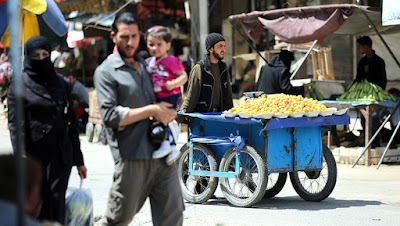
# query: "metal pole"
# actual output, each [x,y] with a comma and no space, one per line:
[203,25]
[376,133]
[13,18]
[231,19]
[304,59]
[387,147]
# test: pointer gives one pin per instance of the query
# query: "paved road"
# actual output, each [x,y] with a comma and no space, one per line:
[362,196]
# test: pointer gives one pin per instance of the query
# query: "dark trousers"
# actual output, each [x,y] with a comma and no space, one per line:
[55,183]
[134,181]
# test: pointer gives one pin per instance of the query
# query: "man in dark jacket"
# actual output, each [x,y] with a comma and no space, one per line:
[371,66]
[209,88]
[275,76]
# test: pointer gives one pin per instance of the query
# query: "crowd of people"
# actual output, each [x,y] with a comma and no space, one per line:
[138,100]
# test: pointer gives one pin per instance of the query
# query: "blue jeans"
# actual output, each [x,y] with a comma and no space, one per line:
[176,101]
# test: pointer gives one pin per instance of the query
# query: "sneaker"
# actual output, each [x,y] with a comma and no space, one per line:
[164,150]
[175,154]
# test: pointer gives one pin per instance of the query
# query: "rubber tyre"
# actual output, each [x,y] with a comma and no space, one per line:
[328,171]
[89,131]
[251,162]
[197,189]
[275,185]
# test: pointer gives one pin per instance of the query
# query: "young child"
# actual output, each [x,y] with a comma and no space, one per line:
[168,75]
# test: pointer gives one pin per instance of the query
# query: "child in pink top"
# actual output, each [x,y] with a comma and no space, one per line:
[168,75]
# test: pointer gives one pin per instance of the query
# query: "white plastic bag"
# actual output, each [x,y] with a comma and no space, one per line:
[78,206]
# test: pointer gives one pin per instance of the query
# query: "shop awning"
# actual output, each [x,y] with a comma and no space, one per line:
[89,6]
[305,24]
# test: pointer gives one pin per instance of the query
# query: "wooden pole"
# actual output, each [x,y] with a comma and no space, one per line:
[315,64]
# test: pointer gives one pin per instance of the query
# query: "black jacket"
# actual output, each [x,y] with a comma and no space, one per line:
[372,69]
[275,78]
[50,126]
[201,85]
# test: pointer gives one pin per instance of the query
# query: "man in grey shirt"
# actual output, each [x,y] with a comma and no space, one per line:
[126,102]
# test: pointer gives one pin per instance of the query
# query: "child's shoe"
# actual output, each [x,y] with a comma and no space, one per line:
[173,156]
[163,151]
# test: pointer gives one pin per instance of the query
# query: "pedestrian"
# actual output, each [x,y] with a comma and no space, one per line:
[79,90]
[127,102]
[50,129]
[275,76]
[8,188]
[5,73]
[371,67]
[168,75]
[81,115]
[209,88]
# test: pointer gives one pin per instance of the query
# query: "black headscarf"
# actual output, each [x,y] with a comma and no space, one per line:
[284,58]
[41,71]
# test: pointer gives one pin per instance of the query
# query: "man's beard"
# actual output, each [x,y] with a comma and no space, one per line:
[216,55]
[124,54]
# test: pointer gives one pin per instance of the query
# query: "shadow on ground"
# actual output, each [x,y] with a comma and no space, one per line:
[295,202]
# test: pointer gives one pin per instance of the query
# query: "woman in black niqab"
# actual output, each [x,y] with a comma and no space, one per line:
[50,127]
[40,70]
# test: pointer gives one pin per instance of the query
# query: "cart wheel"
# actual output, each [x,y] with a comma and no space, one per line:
[89,131]
[197,189]
[249,186]
[276,181]
[316,185]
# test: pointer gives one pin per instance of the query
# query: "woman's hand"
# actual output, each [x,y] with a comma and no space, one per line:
[82,171]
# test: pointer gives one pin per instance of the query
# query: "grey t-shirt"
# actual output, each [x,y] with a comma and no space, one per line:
[119,88]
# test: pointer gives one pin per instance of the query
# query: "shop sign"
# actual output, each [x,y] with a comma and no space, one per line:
[391,12]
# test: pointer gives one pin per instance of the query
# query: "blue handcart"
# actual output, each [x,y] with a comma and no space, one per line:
[266,149]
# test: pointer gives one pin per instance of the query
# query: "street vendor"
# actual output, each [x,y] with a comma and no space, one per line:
[275,76]
[209,88]
[371,66]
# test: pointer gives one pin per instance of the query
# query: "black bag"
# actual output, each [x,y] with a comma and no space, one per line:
[158,133]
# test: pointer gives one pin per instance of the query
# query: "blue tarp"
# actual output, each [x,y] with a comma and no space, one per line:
[276,123]
[386,103]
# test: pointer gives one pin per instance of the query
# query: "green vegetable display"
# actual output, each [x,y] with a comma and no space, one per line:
[313,92]
[366,91]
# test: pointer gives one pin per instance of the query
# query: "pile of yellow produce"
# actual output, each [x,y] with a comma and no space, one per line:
[278,104]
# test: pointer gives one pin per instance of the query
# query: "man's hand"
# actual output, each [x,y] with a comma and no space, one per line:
[164,113]
[306,88]
[82,171]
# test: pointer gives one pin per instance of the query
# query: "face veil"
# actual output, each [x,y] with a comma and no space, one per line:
[39,70]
